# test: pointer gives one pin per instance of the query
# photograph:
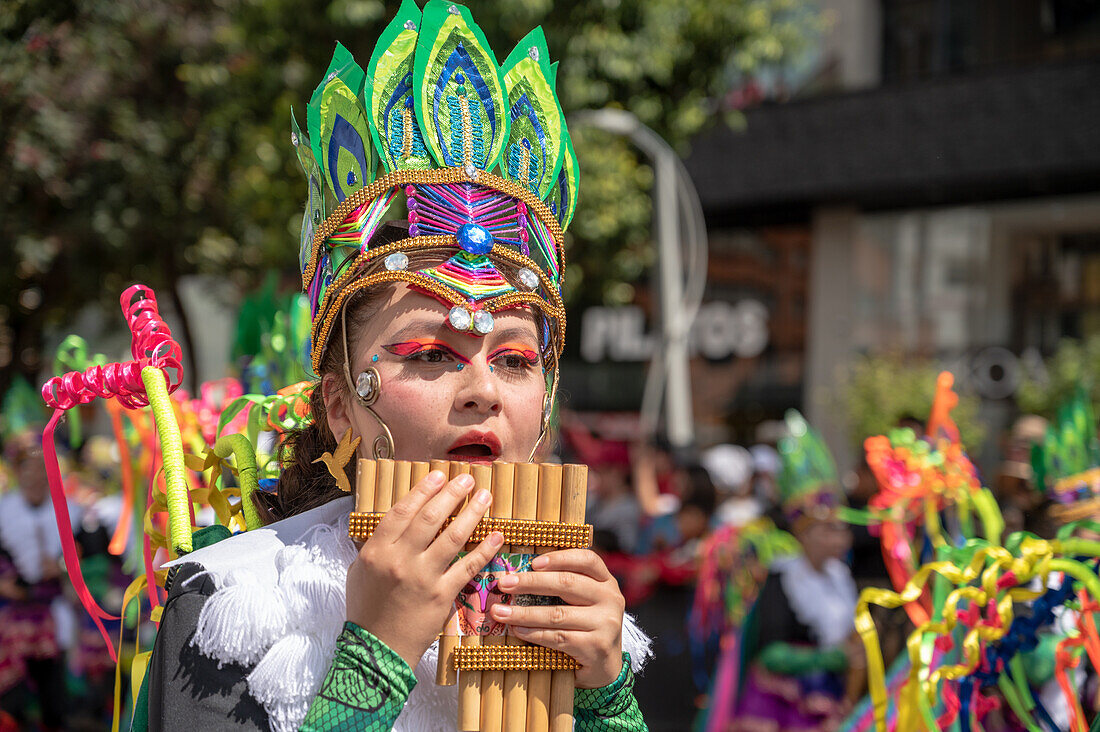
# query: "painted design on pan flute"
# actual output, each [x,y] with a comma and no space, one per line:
[481,593]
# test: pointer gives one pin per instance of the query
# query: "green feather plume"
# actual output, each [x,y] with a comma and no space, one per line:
[459,93]
[533,152]
[315,205]
[389,94]
[338,127]
[1070,446]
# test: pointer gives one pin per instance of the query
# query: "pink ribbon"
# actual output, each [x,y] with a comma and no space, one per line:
[151,344]
[65,529]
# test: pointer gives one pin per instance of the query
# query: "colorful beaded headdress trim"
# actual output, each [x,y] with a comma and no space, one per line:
[1067,463]
[475,157]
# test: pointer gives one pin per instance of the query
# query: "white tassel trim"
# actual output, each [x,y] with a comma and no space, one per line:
[288,677]
[241,621]
[636,643]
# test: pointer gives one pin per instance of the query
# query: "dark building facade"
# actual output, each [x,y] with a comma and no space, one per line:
[936,191]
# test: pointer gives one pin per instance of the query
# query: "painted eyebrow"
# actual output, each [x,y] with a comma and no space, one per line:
[527,354]
[516,333]
[418,327]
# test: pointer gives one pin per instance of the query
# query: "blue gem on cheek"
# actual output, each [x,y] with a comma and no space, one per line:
[475,239]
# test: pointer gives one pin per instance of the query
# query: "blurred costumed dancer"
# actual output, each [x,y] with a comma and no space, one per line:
[436,328]
[798,638]
[32,659]
[1066,466]
[733,566]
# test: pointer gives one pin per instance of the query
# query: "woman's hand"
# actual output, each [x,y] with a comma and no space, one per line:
[402,586]
[589,628]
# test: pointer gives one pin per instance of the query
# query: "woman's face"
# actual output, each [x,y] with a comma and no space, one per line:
[445,395]
[824,539]
[32,478]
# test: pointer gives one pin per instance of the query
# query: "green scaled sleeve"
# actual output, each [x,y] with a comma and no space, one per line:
[365,688]
[611,708]
[791,660]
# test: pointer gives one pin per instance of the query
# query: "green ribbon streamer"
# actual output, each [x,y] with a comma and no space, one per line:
[240,447]
[72,355]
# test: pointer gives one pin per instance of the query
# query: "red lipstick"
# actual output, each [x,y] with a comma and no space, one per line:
[475,446]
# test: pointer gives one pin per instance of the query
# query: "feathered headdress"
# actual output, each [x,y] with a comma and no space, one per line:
[1067,462]
[808,485]
[474,158]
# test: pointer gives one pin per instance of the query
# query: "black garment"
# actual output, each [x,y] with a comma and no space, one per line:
[47,675]
[187,690]
[867,561]
[775,620]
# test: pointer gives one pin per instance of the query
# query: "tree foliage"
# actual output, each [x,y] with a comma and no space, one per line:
[876,391]
[148,139]
[1074,363]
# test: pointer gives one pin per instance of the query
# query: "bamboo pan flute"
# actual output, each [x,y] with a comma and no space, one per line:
[493,700]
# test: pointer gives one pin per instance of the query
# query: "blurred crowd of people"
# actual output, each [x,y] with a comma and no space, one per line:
[55,669]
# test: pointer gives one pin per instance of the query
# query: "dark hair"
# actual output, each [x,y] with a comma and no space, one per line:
[700,492]
[303,483]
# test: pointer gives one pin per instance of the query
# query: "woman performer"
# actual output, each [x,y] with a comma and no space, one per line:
[32,659]
[435,336]
[799,637]
[1065,466]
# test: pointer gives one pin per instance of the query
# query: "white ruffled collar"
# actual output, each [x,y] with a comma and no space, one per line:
[280,605]
[824,601]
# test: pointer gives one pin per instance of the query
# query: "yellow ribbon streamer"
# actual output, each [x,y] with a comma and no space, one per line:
[133,591]
[979,583]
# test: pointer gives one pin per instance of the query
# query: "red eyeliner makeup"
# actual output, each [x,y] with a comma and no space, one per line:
[515,349]
[407,349]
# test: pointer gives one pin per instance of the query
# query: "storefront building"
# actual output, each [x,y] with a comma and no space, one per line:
[942,200]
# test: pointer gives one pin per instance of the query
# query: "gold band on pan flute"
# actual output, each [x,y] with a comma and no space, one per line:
[512,658]
[504,683]
[516,531]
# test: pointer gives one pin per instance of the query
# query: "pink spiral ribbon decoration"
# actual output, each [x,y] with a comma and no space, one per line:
[152,345]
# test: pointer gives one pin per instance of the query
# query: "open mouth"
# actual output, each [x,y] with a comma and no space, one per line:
[471,451]
[475,447]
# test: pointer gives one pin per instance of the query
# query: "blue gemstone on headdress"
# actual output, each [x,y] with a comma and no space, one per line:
[351,177]
[475,239]
[460,79]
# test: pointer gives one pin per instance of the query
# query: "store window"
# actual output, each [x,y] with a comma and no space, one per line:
[986,291]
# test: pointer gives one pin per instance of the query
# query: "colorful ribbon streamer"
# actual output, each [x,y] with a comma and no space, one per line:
[155,372]
[982,582]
